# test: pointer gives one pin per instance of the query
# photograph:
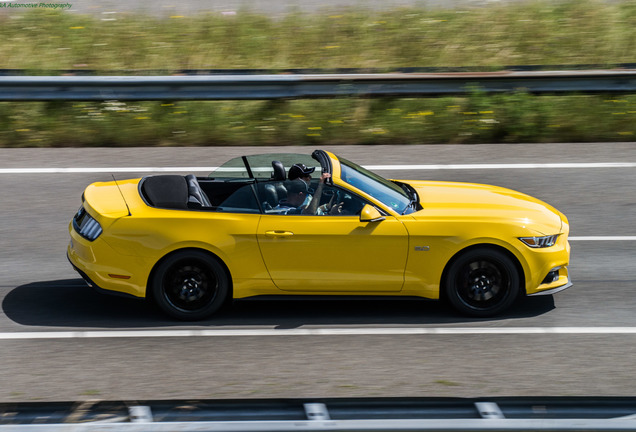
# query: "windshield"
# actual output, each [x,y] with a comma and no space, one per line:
[389,193]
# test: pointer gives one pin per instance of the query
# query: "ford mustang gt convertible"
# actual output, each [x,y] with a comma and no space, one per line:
[191,244]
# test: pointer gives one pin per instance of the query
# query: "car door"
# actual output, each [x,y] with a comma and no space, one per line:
[333,254]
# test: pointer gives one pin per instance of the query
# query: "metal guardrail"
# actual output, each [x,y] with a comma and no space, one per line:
[395,414]
[310,71]
[296,86]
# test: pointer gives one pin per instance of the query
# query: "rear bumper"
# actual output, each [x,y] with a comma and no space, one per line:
[105,270]
[96,287]
[84,276]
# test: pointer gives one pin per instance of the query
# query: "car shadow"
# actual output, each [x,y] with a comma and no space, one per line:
[71,303]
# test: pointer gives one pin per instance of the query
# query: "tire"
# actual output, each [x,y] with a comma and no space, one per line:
[190,285]
[482,283]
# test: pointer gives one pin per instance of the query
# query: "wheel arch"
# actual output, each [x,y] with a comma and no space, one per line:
[212,255]
[492,246]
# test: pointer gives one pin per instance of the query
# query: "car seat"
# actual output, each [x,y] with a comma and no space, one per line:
[196,197]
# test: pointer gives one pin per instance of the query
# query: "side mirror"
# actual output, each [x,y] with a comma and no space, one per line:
[370,214]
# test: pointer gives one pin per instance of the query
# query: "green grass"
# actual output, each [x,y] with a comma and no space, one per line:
[487,38]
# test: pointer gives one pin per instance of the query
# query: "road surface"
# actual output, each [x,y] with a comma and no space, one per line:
[53,343]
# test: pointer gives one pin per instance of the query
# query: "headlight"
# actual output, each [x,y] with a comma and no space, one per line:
[540,242]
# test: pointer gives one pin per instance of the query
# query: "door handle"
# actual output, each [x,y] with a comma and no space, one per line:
[278,233]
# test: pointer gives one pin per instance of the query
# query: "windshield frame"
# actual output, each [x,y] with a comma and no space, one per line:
[389,193]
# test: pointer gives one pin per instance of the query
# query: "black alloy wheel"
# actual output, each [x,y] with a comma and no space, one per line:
[482,282]
[190,285]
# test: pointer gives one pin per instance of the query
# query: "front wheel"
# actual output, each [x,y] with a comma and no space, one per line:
[482,282]
[190,285]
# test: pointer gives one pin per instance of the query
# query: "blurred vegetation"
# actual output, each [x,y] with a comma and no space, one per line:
[530,32]
[509,118]
[506,33]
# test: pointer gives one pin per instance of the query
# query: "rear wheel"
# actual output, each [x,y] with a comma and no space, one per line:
[482,282]
[190,285]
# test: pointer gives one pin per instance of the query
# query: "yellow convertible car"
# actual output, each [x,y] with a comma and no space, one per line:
[294,224]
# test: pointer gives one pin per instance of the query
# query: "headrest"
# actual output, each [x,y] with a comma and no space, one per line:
[279,171]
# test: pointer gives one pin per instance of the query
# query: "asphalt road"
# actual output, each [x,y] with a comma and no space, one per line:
[41,294]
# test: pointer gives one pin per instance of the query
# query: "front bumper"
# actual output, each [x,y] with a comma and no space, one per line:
[553,290]
[548,271]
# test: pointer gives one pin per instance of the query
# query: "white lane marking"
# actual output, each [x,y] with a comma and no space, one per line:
[602,238]
[103,170]
[61,170]
[503,166]
[371,167]
[407,331]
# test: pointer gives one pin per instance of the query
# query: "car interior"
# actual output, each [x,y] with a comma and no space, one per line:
[235,195]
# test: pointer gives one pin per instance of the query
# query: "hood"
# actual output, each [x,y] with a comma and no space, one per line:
[479,201]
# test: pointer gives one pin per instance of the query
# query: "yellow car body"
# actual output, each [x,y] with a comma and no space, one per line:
[120,240]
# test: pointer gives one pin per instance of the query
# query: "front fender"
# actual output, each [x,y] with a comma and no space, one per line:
[429,259]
